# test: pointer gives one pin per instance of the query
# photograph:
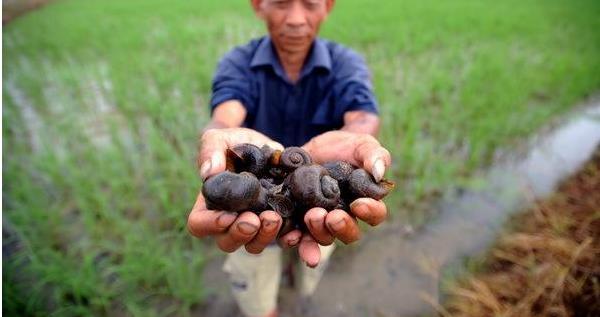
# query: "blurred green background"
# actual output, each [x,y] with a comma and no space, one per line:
[103,101]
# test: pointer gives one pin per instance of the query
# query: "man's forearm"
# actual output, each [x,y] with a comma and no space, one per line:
[229,114]
[361,122]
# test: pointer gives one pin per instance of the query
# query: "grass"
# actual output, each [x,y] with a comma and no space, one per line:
[103,100]
[546,264]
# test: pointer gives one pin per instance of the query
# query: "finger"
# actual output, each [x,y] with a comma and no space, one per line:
[270,222]
[290,239]
[245,135]
[211,157]
[342,226]
[309,251]
[369,210]
[274,145]
[374,158]
[315,221]
[203,222]
[241,232]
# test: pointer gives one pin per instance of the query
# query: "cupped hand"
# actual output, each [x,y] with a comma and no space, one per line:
[362,150]
[359,149]
[232,230]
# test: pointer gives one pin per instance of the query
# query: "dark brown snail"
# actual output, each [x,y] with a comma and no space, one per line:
[362,184]
[294,157]
[234,192]
[313,187]
[246,158]
[339,170]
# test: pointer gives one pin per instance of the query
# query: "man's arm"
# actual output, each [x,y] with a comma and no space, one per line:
[229,114]
[361,122]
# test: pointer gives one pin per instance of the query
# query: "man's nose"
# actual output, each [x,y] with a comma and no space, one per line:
[296,17]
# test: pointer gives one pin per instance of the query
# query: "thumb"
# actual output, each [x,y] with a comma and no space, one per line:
[214,165]
[211,157]
[375,159]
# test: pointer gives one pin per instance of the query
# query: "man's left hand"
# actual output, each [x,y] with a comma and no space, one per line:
[361,150]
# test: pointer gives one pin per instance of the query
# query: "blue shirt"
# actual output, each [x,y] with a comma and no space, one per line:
[333,80]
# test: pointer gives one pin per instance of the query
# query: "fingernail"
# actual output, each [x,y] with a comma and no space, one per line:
[247,228]
[204,169]
[338,226]
[225,219]
[217,161]
[378,169]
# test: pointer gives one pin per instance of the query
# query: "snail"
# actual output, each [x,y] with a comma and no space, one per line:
[267,182]
[234,192]
[340,171]
[362,184]
[313,187]
[246,158]
[294,157]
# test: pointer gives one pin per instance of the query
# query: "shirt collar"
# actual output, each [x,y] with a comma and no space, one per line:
[318,56]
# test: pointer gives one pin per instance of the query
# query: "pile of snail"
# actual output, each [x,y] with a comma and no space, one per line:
[258,179]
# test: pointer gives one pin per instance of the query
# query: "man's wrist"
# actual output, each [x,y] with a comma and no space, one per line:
[361,122]
[215,125]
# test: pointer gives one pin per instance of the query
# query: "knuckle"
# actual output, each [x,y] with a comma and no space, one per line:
[367,139]
[225,248]
[192,226]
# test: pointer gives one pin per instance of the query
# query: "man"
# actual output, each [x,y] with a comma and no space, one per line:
[288,89]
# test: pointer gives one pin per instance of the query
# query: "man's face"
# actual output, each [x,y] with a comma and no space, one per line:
[293,24]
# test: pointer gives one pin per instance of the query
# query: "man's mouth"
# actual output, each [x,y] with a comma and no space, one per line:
[295,38]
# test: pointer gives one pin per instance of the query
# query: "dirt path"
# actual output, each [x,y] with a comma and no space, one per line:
[390,273]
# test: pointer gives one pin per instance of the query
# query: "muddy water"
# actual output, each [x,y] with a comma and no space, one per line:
[390,273]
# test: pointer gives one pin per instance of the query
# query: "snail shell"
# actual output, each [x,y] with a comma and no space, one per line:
[294,157]
[234,192]
[312,186]
[339,170]
[362,184]
[277,172]
[246,158]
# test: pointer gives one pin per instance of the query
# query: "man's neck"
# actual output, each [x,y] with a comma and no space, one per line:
[292,63]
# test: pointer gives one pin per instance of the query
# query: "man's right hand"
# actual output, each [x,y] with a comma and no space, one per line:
[214,143]
[231,230]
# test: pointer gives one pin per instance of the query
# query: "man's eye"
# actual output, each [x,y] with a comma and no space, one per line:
[281,3]
[312,4]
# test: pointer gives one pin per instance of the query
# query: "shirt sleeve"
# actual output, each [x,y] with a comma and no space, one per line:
[353,89]
[231,82]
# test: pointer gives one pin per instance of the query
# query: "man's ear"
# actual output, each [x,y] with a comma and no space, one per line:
[257,7]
